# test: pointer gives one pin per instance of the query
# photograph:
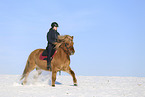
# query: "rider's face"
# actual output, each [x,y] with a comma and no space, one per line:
[55,28]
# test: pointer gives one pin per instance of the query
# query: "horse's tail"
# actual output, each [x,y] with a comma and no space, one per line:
[26,70]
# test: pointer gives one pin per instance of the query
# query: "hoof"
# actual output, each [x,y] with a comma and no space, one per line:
[23,83]
[53,85]
[75,85]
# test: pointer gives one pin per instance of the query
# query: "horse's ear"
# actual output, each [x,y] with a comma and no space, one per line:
[72,37]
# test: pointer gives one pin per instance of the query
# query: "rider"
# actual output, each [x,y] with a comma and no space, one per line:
[52,36]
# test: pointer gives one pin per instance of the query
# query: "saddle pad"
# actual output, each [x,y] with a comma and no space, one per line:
[43,56]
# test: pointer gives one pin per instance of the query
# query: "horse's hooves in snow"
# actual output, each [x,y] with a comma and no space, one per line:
[53,85]
[75,85]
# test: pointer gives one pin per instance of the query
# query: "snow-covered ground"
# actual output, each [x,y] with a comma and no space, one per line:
[88,86]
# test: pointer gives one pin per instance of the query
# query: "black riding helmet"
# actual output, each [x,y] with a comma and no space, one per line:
[54,24]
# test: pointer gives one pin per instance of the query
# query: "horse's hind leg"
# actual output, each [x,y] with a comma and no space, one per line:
[71,72]
[29,67]
[25,80]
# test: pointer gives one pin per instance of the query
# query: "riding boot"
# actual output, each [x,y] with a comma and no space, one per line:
[48,65]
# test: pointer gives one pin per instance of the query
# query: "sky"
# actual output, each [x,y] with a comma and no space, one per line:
[109,35]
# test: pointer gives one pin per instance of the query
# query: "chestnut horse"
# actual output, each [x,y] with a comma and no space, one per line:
[60,61]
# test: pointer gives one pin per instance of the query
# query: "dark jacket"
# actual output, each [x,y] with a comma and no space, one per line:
[52,36]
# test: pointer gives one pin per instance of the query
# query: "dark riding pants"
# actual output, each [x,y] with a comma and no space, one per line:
[51,51]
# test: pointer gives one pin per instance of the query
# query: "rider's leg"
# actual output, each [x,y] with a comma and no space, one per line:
[49,57]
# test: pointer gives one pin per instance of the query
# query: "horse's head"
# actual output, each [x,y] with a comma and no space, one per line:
[69,45]
[66,42]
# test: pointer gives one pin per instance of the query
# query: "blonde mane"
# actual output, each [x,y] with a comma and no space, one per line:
[62,39]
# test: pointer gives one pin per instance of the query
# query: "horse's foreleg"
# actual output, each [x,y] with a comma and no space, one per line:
[71,72]
[53,78]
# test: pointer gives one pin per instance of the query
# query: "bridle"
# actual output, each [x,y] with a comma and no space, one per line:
[67,48]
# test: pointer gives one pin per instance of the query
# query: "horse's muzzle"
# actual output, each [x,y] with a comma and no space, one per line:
[72,52]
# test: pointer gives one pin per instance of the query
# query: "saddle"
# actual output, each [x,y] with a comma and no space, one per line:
[44,54]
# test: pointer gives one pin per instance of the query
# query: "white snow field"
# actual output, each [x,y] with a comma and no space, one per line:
[88,86]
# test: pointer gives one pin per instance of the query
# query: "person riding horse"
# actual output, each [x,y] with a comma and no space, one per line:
[52,37]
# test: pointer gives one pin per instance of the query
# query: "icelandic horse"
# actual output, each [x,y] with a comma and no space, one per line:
[60,61]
